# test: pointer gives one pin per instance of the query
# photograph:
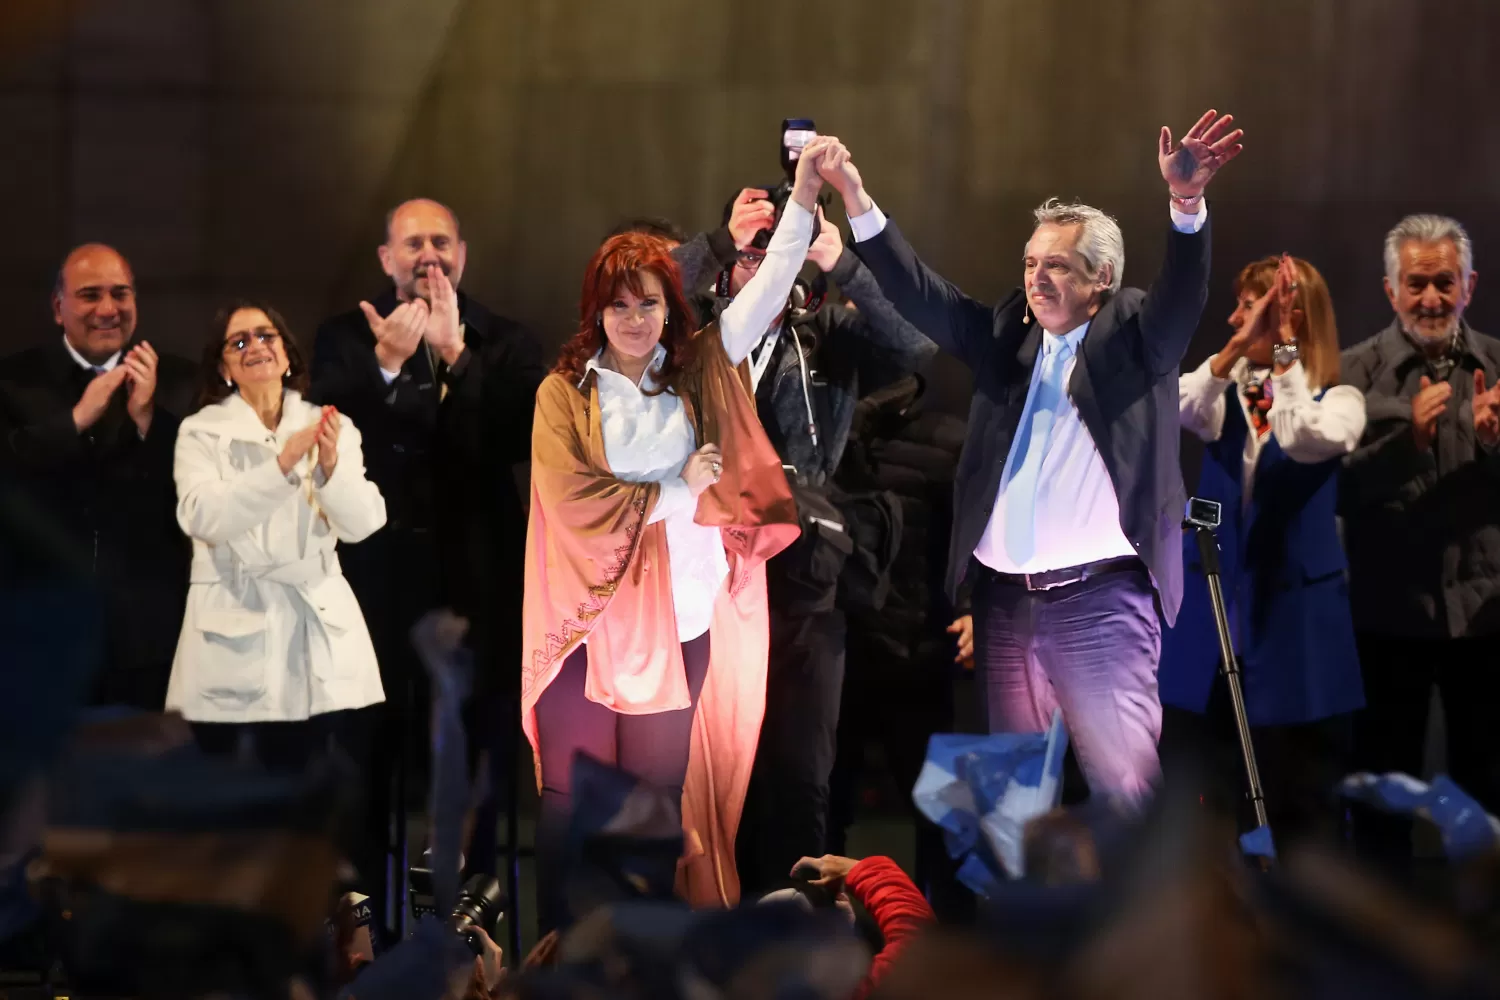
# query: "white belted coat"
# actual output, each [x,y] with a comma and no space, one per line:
[273,633]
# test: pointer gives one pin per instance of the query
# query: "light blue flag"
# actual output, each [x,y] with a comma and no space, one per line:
[1466,828]
[983,790]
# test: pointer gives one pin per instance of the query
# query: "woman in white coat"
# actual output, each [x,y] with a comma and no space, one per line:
[274,659]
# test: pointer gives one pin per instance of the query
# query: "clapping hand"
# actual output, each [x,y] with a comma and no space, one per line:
[1288,316]
[1207,146]
[140,373]
[301,443]
[96,396]
[1430,402]
[444,330]
[1257,326]
[1486,410]
[397,335]
[328,441]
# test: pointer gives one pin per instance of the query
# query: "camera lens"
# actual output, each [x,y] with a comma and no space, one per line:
[480,903]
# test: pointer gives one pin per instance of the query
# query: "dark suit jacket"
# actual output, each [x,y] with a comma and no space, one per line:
[1124,385]
[456,529]
[112,496]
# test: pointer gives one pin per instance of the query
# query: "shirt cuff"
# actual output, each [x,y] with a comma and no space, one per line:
[869,225]
[1181,221]
[388,376]
[456,370]
[1207,372]
[845,269]
[674,499]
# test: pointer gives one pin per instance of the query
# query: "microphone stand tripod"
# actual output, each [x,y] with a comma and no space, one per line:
[1208,552]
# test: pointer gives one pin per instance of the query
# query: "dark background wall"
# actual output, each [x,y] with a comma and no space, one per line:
[236,147]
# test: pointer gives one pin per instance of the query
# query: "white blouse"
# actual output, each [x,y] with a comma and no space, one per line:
[1308,429]
[647,438]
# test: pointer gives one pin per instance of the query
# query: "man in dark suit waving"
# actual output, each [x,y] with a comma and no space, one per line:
[1068,497]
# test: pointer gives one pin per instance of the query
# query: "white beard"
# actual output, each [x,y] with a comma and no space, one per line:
[1450,329]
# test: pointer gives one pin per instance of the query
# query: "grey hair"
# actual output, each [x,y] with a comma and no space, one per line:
[1427,228]
[1100,242]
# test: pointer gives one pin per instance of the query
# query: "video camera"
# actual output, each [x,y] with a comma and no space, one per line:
[480,906]
[806,297]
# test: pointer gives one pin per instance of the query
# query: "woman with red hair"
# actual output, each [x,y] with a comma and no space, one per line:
[656,499]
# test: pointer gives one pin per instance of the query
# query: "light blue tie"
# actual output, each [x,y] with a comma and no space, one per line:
[1032,435]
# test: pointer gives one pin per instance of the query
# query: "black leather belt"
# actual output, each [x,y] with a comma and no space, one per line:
[1067,575]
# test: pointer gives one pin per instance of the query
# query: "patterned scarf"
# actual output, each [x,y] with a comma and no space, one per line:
[1259,395]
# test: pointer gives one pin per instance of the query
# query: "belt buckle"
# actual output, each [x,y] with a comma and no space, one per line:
[1077,577]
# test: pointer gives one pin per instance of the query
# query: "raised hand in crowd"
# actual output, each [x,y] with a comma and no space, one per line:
[832,870]
[1486,410]
[489,969]
[397,335]
[140,373]
[843,177]
[1288,318]
[1430,402]
[751,213]
[96,396]
[1187,168]
[300,443]
[328,441]
[703,468]
[444,331]
[963,627]
[826,250]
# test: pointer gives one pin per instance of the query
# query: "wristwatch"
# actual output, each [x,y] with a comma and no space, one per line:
[1284,355]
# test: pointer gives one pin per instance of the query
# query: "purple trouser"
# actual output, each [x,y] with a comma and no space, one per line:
[1089,648]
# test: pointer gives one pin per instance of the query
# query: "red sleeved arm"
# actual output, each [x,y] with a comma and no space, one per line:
[898,907]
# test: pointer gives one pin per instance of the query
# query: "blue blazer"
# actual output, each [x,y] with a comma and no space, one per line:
[1284,577]
[1124,385]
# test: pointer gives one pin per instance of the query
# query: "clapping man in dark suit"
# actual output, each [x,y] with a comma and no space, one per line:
[443,391]
[89,421]
[1068,497]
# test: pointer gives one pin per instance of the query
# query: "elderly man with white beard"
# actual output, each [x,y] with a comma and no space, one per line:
[1421,504]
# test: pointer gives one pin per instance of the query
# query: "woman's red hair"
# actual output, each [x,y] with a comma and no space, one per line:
[619,263]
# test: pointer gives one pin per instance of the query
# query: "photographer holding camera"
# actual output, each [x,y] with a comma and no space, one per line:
[808,370]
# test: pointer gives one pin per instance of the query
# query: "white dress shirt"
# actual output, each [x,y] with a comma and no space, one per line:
[1308,429]
[647,438]
[1077,513]
[107,365]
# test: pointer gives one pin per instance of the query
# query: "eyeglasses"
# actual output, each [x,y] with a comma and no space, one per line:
[240,342]
[750,260]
